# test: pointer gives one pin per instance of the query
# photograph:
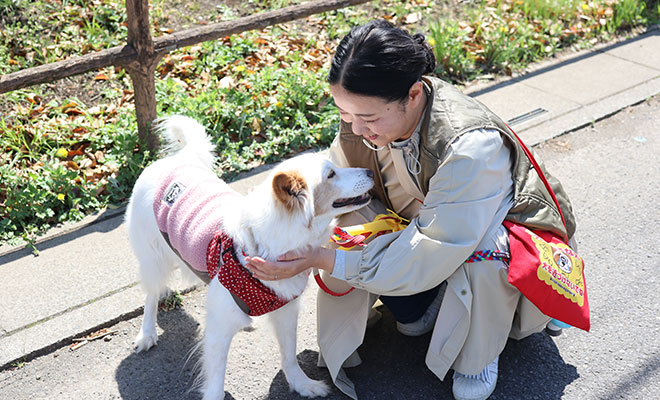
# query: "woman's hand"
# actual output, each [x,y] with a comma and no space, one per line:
[291,263]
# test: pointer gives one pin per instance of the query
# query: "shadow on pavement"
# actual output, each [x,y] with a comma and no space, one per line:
[162,372]
[168,371]
[393,367]
[627,387]
[532,368]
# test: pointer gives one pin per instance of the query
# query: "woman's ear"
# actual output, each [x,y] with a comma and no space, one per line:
[416,94]
[290,189]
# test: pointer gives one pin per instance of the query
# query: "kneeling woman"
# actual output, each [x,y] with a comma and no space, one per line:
[455,170]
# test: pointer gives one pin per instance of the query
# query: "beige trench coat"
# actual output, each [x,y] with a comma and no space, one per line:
[480,309]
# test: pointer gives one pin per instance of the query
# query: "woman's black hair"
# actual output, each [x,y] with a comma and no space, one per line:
[378,59]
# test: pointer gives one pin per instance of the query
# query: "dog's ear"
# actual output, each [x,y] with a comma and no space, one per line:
[290,189]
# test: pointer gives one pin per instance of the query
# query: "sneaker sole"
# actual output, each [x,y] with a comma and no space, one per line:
[408,332]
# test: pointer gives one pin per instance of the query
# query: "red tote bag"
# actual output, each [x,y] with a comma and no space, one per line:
[546,270]
[549,273]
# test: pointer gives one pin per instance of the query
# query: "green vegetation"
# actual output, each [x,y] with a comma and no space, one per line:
[506,35]
[69,148]
[172,301]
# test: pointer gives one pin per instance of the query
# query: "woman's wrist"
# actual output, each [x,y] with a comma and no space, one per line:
[326,259]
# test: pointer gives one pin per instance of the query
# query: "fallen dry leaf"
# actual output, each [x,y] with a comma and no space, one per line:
[72,165]
[227,82]
[413,17]
[73,111]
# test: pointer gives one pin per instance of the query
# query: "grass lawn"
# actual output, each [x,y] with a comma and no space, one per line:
[70,147]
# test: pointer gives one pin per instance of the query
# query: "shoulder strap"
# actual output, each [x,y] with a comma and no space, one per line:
[541,175]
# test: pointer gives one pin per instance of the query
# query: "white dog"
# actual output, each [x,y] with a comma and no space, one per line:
[181,213]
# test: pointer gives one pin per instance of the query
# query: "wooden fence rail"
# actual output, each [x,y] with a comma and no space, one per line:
[141,54]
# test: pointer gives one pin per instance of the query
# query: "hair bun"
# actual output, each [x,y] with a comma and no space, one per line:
[381,60]
[428,50]
[419,38]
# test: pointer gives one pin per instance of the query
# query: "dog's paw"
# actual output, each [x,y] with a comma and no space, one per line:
[213,395]
[145,341]
[311,388]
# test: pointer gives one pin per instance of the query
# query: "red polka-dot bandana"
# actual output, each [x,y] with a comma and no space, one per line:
[252,296]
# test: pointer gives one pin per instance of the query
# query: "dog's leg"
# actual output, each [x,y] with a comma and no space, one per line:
[153,276]
[285,321]
[223,320]
[148,336]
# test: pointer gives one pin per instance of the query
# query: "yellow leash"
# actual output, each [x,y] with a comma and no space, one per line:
[356,235]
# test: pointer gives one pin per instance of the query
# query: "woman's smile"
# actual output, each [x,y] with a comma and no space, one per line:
[378,120]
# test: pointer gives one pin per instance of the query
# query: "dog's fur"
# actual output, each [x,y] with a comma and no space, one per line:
[293,209]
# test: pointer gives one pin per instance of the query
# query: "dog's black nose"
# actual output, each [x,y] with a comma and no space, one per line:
[370,173]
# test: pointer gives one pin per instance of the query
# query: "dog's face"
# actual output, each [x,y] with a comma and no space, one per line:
[312,184]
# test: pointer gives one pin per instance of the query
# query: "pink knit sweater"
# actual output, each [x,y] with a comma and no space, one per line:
[189,204]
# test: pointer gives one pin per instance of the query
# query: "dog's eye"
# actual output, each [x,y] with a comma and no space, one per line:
[332,174]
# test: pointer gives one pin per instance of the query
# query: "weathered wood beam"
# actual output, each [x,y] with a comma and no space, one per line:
[121,55]
[257,21]
[62,69]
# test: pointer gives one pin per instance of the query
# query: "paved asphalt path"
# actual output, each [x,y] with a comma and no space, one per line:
[612,174]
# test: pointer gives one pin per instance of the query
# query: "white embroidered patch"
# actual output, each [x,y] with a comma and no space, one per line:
[173,192]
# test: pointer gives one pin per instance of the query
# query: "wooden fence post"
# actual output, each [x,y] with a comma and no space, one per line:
[142,54]
[142,69]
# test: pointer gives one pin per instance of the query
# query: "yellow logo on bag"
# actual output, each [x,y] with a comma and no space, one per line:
[561,268]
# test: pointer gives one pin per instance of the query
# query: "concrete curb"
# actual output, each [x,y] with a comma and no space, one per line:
[577,115]
[65,228]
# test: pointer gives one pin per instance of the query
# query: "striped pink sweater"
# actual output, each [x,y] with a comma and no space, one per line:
[189,204]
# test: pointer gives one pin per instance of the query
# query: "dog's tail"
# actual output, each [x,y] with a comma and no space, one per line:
[183,135]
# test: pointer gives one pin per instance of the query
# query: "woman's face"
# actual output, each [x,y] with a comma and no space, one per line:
[377,120]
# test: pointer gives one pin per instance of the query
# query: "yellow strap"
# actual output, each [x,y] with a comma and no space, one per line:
[382,223]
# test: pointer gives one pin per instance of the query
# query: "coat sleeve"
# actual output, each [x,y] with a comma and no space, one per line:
[468,196]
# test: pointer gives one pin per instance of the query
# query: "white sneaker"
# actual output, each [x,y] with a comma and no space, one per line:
[476,387]
[426,323]
[552,329]
[555,327]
